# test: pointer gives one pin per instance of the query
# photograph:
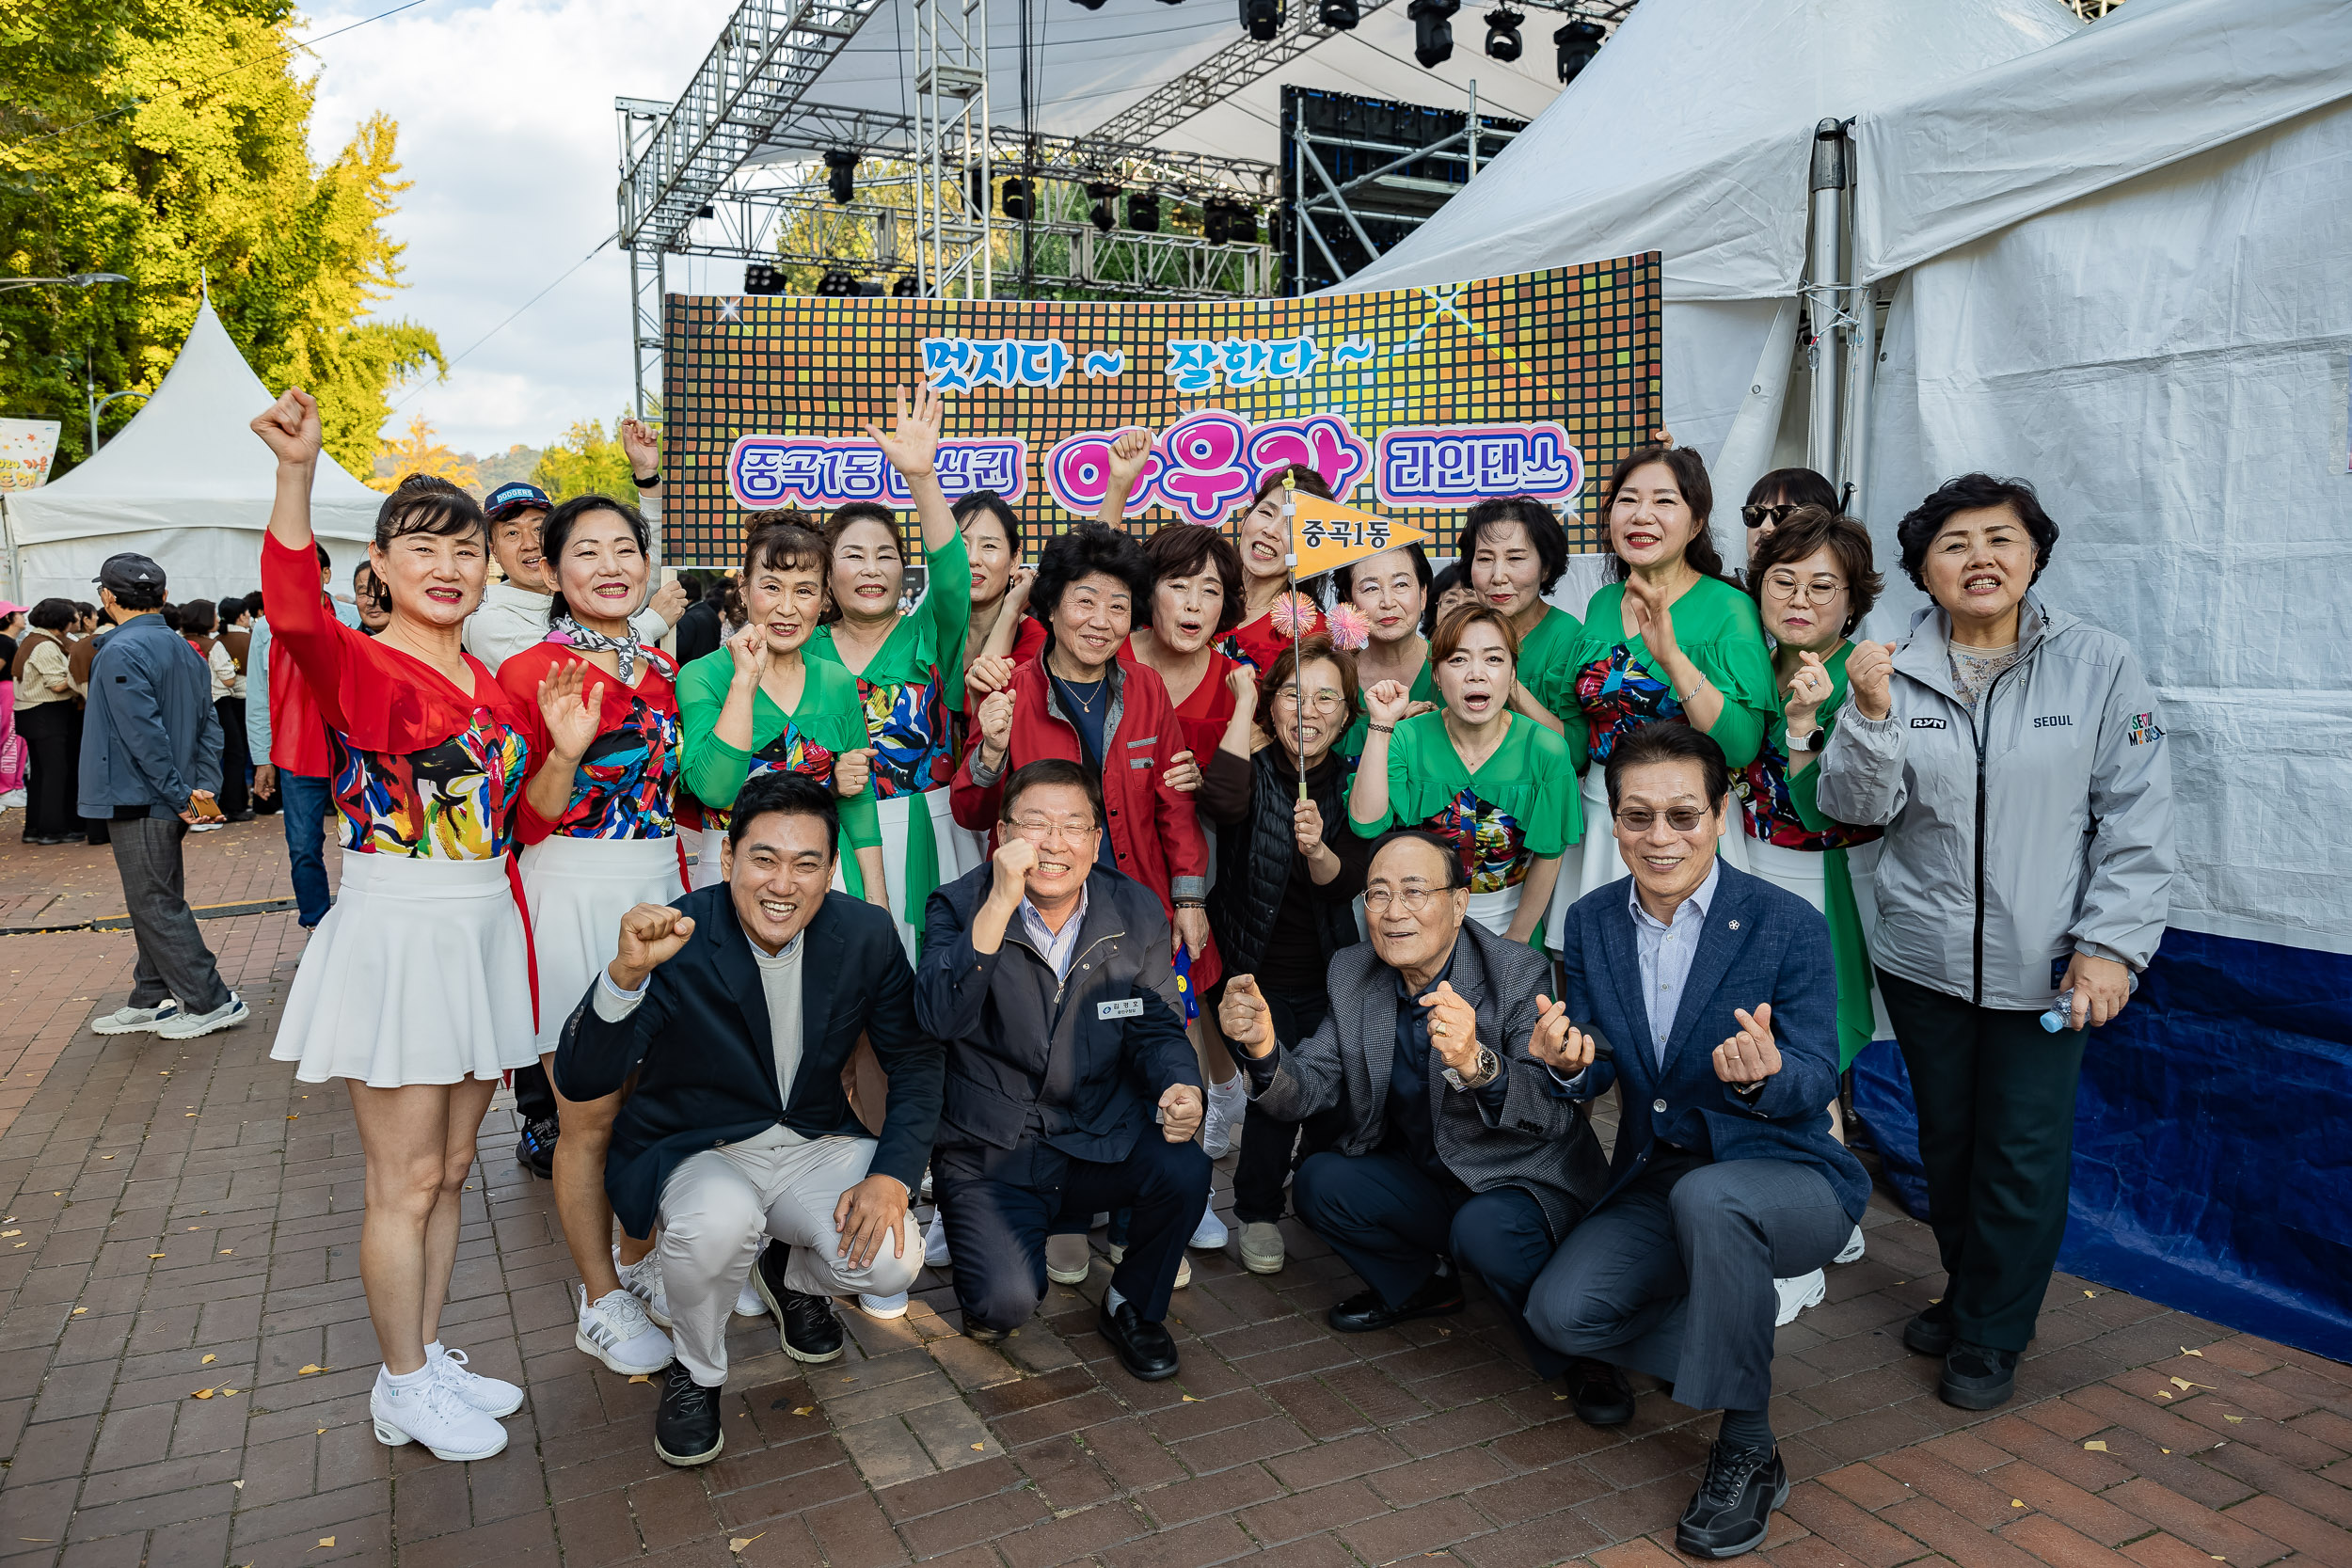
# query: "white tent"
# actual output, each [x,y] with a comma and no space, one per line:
[185,482]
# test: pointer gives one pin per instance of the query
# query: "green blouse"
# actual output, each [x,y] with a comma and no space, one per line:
[1613,682]
[1520,805]
[1425,690]
[828,721]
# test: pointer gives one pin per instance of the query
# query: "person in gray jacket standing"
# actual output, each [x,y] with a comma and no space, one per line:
[2016,759]
[151,753]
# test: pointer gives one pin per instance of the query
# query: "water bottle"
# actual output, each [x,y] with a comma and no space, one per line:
[2059,1015]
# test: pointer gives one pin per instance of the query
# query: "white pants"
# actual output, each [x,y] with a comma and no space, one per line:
[721,1204]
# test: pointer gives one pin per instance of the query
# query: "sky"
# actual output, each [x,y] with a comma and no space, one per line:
[506,129]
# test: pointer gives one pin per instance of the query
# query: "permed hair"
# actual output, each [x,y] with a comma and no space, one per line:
[1809,528]
[1081,552]
[1551,541]
[1970,493]
[1187,549]
[783,539]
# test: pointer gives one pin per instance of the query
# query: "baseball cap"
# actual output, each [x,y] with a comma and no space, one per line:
[514,496]
[128,570]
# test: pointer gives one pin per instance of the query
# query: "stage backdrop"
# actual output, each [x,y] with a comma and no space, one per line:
[1415,402]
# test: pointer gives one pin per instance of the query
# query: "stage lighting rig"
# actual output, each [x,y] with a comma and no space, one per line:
[906,287]
[1502,34]
[1578,43]
[1016,198]
[841,173]
[761,278]
[1262,19]
[1143,213]
[1433,30]
[836,284]
[1339,15]
[1101,214]
[1226,221]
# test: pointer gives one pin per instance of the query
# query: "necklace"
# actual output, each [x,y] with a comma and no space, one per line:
[1085,704]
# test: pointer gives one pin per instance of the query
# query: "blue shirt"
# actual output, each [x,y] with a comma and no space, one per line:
[1666,952]
[1090,726]
[1059,950]
[151,736]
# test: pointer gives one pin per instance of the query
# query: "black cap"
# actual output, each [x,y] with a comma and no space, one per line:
[129,570]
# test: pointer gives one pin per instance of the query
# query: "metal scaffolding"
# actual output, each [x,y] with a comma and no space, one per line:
[952,248]
[1223,74]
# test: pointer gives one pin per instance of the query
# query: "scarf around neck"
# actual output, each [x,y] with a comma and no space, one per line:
[624,648]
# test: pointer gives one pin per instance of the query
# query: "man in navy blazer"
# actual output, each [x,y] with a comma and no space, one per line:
[736,1009]
[1709,998]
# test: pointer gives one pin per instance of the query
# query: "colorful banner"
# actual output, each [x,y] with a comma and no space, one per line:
[1413,402]
[28,446]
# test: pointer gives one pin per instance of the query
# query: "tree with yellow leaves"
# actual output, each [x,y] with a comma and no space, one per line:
[420,454]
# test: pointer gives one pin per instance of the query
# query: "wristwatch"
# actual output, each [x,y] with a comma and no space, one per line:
[645,481]
[1812,740]
[1488,1065]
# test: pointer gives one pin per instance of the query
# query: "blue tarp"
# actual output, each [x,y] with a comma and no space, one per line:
[2213,1140]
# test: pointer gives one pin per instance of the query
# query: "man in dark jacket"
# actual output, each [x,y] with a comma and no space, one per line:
[1454,1151]
[1709,997]
[1048,977]
[150,758]
[738,1008]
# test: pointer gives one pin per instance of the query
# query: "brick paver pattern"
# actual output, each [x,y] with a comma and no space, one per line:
[183,1221]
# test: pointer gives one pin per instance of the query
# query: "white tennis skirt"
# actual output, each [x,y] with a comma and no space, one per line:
[576,890]
[418,975]
[1802,872]
[1602,864]
[1495,910]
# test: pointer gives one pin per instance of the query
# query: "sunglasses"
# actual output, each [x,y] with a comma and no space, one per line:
[1775,513]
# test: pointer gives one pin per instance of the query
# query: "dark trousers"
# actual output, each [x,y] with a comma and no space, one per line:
[51,787]
[996,1229]
[173,960]
[307,803]
[1673,1273]
[1390,1220]
[535,1096]
[1995,1097]
[1262,1169]
[235,797]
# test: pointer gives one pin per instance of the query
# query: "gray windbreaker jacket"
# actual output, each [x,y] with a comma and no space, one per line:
[2040,825]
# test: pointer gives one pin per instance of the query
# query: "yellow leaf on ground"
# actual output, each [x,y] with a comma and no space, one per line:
[2017,1502]
[12,1233]
[804,1410]
[228,1252]
[208,1360]
[2234,1420]
[641,1378]
[1191,1400]
[2164,1393]
[2094,1294]
[238,1484]
[2095,1445]
[980,1448]
[154,1255]
[105,1156]
[79,1310]
[2185,1351]
[201,1394]
[743,1540]
[325,1541]
[307,1368]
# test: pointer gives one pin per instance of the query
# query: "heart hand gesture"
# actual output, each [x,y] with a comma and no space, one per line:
[1556,1042]
[1748,1056]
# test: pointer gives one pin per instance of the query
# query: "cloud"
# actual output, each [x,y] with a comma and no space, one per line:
[506,130]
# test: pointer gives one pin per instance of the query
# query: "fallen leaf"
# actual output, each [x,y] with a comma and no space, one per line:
[238,1484]
[2184,1383]
[187,1113]
[1191,1400]
[325,1541]
[1557,1398]
[2234,1420]
[292,1117]
[1445,1334]
[228,1252]
[12,1233]
[2095,1445]
[105,1156]
[2017,1502]
[2167,1450]
[322,1431]
[307,1368]
[2164,1393]
[79,1310]
[804,1410]
[208,1360]
[743,1540]
[154,1255]
[201,1394]
[229,1392]
[641,1378]
[979,1446]
[2185,1351]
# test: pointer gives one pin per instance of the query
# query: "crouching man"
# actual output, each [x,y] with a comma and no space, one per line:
[1048,976]
[736,1009]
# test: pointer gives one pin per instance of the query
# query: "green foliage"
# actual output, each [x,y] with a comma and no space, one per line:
[165,140]
[583,460]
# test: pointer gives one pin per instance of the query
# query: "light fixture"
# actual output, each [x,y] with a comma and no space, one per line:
[1262,19]
[836,284]
[759,278]
[1226,221]
[1339,15]
[1143,213]
[906,287]
[980,197]
[1578,43]
[1101,214]
[1432,32]
[1502,34]
[1016,198]
[841,172]
[1091,4]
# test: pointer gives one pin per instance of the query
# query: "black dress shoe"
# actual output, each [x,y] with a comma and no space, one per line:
[1439,1295]
[535,1150]
[1931,1333]
[1603,1397]
[1144,1349]
[806,1326]
[1733,1510]
[687,1430]
[1977,1377]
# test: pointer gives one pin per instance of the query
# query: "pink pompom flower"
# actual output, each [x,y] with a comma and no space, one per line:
[1293,615]
[1351,628]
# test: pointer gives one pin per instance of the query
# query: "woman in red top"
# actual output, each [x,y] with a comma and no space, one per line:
[416,988]
[600,836]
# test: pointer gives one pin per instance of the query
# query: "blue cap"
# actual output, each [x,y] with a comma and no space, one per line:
[513,498]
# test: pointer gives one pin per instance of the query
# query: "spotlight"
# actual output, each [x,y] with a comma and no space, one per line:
[1502,34]
[981,201]
[1226,221]
[1262,17]
[1091,4]
[1578,42]
[836,284]
[1100,214]
[906,287]
[1433,34]
[841,173]
[761,278]
[1339,15]
[1016,200]
[870,289]
[1143,213]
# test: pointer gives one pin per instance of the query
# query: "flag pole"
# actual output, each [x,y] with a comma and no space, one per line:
[1290,560]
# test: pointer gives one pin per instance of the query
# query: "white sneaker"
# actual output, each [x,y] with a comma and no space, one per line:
[1210,1232]
[642,1279]
[935,1243]
[1797,1295]
[432,1412]
[207,825]
[490,1395]
[884,1307]
[1227,1103]
[616,1332]
[1184,1273]
[187,1026]
[747,1301]
[136,1020]
[1852,1251]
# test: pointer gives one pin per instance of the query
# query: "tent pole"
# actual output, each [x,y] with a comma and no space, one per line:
[1822,297]
[1862,356]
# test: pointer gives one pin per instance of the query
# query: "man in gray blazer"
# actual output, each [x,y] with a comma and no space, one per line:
[1456,1153]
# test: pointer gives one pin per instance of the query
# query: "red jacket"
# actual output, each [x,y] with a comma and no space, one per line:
[1155,833]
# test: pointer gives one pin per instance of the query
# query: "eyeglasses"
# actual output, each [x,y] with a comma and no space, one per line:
[1323,699]
[1682,820]
[1038,828]
[1775,513]
[1784,586]
[1415,896]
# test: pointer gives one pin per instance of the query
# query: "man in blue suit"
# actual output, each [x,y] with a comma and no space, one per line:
[1709,997]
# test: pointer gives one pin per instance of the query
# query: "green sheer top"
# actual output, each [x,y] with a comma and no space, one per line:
[1520,805]
[1602,684]
[828,721]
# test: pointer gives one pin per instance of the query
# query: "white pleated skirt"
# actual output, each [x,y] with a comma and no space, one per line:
[576,890]
[1802,872]
[418,975]
[1600,862]
[955,851]
[1495,910]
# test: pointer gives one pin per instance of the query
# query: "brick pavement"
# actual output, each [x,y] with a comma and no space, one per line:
[185,1218]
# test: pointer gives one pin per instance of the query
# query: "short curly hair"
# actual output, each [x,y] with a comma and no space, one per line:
[1187,550]
[1971,493]
[1542,531]
[1081,552]
[1809,528]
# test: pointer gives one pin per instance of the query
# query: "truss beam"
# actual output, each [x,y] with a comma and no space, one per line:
[1222,75]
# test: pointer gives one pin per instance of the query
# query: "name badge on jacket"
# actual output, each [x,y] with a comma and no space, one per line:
[1130,1007]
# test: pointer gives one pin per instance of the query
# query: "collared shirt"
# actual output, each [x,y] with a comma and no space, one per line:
[1666,952]
[1059,949]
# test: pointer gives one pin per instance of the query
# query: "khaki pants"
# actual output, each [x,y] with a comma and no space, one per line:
[719,1206]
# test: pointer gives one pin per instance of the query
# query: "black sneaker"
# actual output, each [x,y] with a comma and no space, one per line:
[1602,1395]
[687,1430]
[1977,1377]
[535,1150]
[1733,1510]
[1364,1311]
[807,1328]
[1931,1333]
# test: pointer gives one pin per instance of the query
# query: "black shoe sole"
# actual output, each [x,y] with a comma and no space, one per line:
[1716,1554]
[687,1462]
[1934,1339]
[1980,1397]
[1445,1310]
[1606,1416]
[784,1341]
